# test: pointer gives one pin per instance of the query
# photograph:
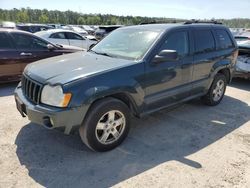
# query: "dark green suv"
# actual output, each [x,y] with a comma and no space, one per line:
[135,70]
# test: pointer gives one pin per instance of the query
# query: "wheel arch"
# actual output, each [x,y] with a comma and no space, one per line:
[223,67]
[226,73]
[125,97]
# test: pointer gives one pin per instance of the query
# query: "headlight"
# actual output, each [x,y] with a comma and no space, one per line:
[54,96]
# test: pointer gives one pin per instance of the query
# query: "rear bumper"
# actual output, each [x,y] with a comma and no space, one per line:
[242,70]
[51,117]
[239,74]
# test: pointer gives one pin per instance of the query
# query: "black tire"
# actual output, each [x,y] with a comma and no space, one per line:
[209,98]
[88,129]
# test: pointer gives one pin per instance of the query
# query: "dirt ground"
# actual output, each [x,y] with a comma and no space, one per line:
[190,146]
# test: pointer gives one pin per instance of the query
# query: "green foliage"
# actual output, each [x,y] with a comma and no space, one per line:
[80,20]
[25,15]
[43,19]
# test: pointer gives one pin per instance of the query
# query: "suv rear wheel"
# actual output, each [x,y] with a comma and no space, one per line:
[106,125]
[217,90]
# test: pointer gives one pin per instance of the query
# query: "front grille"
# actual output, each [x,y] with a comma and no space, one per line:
[31,89]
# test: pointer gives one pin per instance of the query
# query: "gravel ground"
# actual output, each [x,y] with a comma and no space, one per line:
[190,146]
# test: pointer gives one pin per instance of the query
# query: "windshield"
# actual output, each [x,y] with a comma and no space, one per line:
[126,43]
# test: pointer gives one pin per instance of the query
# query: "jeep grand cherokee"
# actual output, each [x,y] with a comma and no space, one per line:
[135,70]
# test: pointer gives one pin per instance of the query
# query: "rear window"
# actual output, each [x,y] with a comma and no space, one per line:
[5,41]
[204,41]
[73,36]
[224,39]
[58,36]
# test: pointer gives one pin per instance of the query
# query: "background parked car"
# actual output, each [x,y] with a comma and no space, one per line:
[33,27]
[10,25]
[243,60]
[79,30]
[19,48]
[103,31]
[60,36]
[87,28]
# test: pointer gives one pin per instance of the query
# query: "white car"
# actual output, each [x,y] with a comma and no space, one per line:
[79,30]
[66,37]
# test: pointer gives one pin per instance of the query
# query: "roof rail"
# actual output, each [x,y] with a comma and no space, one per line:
[145,23]
[199,21]
[157,22]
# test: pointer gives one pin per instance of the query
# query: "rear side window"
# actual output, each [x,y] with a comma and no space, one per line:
[58,36]
[5,41]
[73,36]
[224,39]
[204,41]
[177,41]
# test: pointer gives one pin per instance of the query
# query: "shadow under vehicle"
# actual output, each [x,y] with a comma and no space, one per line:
[57,160]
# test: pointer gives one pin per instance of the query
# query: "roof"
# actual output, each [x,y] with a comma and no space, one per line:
[14,30]
[164,27]
[47,33]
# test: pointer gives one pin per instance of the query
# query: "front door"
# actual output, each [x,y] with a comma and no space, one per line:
[31,49]
[10,68]
[76,40]
[169,82]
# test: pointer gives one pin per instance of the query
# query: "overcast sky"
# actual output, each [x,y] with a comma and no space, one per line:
[189,9]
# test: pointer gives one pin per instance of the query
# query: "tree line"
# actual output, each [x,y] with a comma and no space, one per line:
[28,15]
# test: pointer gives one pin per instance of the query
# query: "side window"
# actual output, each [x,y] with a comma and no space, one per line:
[5,42]
[73,36]
[39,44]
[28,42]
[204,41]
[177,41]
[58,36]
[224,39]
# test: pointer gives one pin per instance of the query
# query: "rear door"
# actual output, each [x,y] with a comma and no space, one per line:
[10,68]
[31,48]
[76,40]
[205,56]
[59,38]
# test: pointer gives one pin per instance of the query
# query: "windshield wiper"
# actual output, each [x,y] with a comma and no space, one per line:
[101,53]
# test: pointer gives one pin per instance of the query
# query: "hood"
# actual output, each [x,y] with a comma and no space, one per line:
[66,68]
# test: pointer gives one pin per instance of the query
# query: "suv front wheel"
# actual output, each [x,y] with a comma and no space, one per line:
[217,90]
[106,125]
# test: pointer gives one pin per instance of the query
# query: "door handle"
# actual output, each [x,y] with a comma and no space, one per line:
[25,54]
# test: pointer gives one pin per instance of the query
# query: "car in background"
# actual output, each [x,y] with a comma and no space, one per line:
[33,28]
[56,26]
[6,24]
[87,28]
[79,30]
[19,48]
[243,60]
[103,31]
[67,37]
[241,39]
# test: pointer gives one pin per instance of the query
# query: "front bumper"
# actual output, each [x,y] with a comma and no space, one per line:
[50,117]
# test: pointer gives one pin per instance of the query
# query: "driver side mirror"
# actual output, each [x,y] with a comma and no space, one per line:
[50,47]
[166,55]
